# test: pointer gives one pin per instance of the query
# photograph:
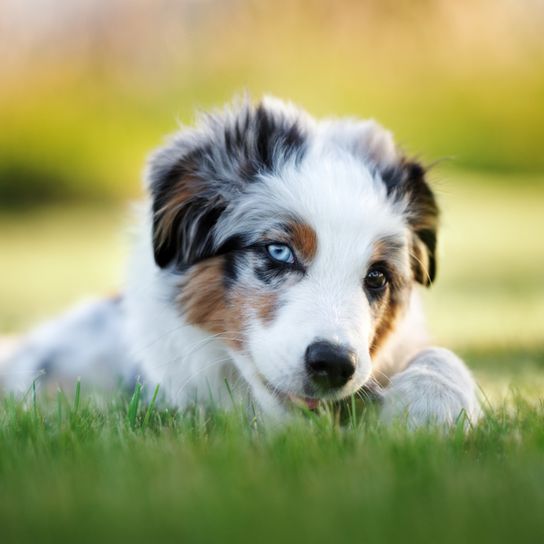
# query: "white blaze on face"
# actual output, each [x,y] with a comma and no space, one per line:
[349,212]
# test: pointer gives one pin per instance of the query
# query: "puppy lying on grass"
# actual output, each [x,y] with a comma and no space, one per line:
[282,255]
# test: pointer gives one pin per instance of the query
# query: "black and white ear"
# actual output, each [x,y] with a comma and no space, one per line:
[406,182]
[202,170]
[185,205]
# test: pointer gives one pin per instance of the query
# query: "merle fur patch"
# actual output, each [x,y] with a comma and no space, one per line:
[204,169]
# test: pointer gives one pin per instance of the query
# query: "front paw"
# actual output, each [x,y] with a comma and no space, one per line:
[436,388]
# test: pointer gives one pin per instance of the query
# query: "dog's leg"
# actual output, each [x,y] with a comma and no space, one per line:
[436,388]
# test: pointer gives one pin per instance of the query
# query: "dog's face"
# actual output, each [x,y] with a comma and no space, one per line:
[296,243]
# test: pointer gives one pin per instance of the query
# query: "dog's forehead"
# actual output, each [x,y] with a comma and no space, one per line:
[343,200]
[345,203]
[339,191]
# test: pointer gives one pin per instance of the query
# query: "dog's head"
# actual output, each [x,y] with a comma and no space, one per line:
[296,242]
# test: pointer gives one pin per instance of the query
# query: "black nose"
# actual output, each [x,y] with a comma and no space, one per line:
[330,365]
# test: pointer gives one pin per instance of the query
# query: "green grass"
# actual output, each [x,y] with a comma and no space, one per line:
[92,472]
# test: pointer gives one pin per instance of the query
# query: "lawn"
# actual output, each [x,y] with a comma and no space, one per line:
[91,470]
[95,474]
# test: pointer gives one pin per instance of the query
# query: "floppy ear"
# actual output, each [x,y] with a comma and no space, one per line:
[186,207]
[406,183]
[202,170]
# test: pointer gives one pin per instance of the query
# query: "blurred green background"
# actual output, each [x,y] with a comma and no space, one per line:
[88,88]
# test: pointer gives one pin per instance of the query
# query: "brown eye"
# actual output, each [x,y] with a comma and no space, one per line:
[375,279]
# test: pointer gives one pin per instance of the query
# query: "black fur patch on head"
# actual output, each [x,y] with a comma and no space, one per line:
[234,252]
[194,179]
[406,182]
[270,273]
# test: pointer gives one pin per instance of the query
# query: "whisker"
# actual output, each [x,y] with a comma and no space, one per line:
[198,345]
[423,266]
[200,371]
[140,349]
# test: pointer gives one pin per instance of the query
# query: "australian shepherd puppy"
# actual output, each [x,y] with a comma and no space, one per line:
[278,261]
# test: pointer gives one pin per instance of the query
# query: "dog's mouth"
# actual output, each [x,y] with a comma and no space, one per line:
[304,402]
[292,400]
[370,392]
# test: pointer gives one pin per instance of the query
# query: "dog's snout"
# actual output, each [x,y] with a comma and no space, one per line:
[330,366]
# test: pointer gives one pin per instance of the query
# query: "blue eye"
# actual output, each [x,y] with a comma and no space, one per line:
[281,253]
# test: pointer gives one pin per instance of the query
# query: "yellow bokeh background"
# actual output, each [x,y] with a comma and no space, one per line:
[90,87]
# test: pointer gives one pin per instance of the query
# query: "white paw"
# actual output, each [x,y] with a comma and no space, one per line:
[436,388]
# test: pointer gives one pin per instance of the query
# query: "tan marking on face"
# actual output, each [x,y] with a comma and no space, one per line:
[262,305]
[266,305]
[187,187]
[168,213]
[386,311]
[205,303]
[386,314]
[392,250]
[304,240]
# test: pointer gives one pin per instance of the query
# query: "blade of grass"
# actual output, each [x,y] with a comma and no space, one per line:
[353,414]
[77,396]
[34,402]
[151,407]
[59,407]
[227,385]
[133,405]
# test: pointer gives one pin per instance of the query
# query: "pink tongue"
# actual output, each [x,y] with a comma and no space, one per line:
[312,404]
